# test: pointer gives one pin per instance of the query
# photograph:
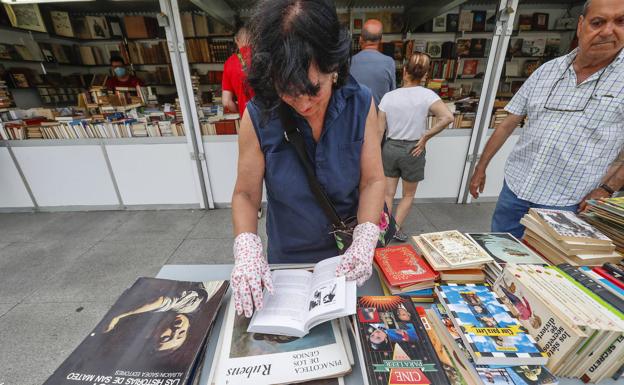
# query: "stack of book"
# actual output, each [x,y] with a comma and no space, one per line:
[225,124]
[402,271]
[453,256]
[503,248]
[563,237]
[607,215]
[582,334]
[600,282]
[6,100]
[464,120]
[155,333]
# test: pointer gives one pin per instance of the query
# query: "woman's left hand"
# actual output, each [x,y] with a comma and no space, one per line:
[419,148]
[357,261]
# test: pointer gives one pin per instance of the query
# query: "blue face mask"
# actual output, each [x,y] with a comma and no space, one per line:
[120,71]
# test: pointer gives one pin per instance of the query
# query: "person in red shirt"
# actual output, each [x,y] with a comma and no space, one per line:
[234,83]
[122,77]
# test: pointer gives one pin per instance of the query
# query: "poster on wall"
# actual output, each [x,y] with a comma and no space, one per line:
[25,16]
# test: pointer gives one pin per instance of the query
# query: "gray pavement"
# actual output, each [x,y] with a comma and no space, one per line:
[60,272]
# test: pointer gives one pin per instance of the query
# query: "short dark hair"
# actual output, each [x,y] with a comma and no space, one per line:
[287,36]
[116,58]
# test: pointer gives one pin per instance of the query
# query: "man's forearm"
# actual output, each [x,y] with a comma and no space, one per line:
[616,180]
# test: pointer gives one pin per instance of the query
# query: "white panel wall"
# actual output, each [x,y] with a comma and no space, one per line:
[222,157]
[153,174]
[495,173]
[67,175]
[13,193]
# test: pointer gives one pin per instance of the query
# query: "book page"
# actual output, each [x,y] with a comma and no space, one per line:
[288,306]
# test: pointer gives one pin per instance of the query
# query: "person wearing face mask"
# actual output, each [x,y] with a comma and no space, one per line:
[572,147]
[300,64]
[121,77]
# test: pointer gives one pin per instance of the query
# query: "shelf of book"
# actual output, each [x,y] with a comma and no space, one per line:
[92,141]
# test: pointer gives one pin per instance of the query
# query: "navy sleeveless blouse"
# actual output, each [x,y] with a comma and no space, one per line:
[298,230]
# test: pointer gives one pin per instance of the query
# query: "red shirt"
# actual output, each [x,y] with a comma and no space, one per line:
[113,82]
[234,78]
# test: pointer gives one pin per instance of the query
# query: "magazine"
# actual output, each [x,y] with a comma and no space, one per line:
[394,343]
[456,249]
[304,299]
[490,332]
[504,247]
[155,332]
[258,358]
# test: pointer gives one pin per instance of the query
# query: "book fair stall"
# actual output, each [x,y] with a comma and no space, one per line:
[69,143]
[445,308]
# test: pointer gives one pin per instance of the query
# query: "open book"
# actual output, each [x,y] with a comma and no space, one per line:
[304,299]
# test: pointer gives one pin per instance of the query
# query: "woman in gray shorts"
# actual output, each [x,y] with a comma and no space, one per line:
[404,112]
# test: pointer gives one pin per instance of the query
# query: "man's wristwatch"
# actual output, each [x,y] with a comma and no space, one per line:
[608,189]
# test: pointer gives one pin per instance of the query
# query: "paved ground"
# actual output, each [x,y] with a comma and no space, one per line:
[60,272]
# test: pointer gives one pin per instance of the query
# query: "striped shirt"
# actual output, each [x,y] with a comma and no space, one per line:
[561,156]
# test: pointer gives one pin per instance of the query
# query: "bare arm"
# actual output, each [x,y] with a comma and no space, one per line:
[614,178]
[372,180]
[382,123]
[496,141]
[247,195]
[227,98]
[444,118]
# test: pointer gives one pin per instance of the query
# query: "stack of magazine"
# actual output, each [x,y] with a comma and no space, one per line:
[155,333]
[607,215]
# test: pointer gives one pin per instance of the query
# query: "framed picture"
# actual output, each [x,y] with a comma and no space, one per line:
[25,16]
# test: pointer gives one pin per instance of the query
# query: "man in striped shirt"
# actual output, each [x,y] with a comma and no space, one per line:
[572,147]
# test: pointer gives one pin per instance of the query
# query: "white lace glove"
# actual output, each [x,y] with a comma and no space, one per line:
[250,272]
[357,261]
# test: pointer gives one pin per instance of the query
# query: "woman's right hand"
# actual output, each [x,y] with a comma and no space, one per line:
[250,272]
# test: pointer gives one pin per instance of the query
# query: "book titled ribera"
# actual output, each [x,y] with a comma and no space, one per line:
[304,299]
[154,333]
[402,266]
[394,343]
[491,333]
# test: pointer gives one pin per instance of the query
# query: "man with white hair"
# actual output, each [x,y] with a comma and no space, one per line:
[572,147]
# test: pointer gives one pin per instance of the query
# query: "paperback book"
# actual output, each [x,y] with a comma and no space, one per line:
[504,248]
[304,299]
[456,249]
[490,332]
[155,331]
[394,343]
[402,266]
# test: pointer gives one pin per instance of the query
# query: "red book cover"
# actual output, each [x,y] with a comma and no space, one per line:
[401,265]
[226,127]
[605,274]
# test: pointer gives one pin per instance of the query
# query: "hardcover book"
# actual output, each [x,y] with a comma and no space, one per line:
[154,332]
[504,248]
[401,265]
[61,23]
[395,344]
[490,332]
[456,249]
[257,358]
[465,21]
[463,47]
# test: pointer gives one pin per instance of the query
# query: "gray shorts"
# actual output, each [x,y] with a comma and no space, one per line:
[399,163]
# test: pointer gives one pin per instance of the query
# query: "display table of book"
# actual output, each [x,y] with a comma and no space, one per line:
[222,272]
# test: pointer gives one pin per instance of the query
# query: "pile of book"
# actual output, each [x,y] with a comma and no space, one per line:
[402,271]
[200,25]
[582,334]
[6,100]
[225,124]
[155,333]
[563,237]
[603,281]
[607,215]
[453,256]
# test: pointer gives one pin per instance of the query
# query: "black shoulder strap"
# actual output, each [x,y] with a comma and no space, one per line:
[294,136]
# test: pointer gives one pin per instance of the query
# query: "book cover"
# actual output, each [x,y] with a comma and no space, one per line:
[566,225]
[396,347]
[257,358]
[469,69]
[525,22]
[452,22]
[539,21]
[491,333]
[465,21]
[154,332]
[434,49]
[401,265]
[456,249]
[463,47]
[504,248]
[477,47]
[478,21]
[61,23]
[515,47]
[439,24]
[25,16]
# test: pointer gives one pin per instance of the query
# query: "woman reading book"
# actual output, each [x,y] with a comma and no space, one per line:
[300,67]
